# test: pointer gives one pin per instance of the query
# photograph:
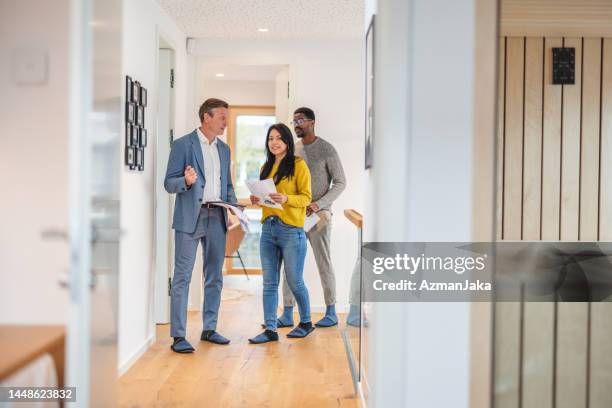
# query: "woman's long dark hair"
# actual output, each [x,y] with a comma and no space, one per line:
[286,168]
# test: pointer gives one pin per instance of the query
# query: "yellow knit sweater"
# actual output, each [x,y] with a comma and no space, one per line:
[297,190]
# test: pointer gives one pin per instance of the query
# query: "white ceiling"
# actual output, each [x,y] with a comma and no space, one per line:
[234,72]
[288,19]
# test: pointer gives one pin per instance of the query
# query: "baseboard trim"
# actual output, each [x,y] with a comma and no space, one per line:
[124,367]
[362,400]
[363,388]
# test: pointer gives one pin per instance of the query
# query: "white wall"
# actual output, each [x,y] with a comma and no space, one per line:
[143,20]
[256,93]
[33,165]
[281,98]
[327,76]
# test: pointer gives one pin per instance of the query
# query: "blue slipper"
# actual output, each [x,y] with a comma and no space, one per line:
[301,330]
[265,337]
[181,345]
[327,321]
[330,319]
[353,318]
[213,337]
[279,324]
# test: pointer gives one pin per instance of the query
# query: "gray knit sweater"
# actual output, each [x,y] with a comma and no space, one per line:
[326,172]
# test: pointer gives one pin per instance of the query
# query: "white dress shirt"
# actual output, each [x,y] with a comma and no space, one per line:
[212,168]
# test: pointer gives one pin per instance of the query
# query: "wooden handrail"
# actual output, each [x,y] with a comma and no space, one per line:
[247,203]
[354,217]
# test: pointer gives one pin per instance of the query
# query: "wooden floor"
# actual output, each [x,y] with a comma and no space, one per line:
[310,372]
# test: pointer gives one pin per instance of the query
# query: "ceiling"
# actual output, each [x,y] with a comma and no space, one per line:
[285,19]
[233,72]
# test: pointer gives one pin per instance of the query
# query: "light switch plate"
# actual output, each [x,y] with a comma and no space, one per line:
[30,66]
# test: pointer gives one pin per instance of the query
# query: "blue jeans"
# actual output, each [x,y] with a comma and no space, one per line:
[282,243]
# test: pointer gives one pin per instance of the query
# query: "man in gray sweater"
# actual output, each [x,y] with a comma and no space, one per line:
[328,182]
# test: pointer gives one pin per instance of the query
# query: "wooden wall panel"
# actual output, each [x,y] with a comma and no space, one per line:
[513,135]
[508,315]
[605,183]
[600,390]
[570,150]
[501,104]
[572,324]
[532,149]
[538,322]
[507,343]
[571,356]
[589,144]
[538,355]
[551,145]
[600,373]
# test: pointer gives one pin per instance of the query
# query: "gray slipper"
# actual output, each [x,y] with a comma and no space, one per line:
[181,345]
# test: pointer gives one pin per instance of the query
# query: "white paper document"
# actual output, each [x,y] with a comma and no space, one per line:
[262,189]
[311,221]
[237,211]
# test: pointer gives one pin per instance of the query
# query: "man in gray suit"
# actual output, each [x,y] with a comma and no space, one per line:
[199,174]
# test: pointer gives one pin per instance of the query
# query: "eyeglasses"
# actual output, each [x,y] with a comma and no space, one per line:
[299,121]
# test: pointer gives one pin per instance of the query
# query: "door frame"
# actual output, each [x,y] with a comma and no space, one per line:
[164,203]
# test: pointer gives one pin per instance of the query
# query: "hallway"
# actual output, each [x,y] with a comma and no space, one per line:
[304,373]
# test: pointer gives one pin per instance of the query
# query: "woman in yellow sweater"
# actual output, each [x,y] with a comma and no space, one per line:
[283,240]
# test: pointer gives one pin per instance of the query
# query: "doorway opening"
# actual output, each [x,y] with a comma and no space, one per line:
[246,130]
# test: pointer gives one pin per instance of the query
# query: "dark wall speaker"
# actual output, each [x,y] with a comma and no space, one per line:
[564,66]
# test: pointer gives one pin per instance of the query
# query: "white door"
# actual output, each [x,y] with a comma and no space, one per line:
[95,161]
[163,201]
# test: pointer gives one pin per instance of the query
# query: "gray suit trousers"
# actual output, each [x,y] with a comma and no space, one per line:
[210,231]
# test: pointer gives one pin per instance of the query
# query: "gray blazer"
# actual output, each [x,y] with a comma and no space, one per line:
[186,151]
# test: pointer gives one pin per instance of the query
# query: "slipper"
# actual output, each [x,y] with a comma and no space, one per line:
[265,337]
[353,321]
[327,321]
[353,318]
[300,331]
[213,337]
[181,345]
[279,324]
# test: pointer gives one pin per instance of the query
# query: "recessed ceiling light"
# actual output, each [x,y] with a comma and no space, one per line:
[263,30]
[220,75]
